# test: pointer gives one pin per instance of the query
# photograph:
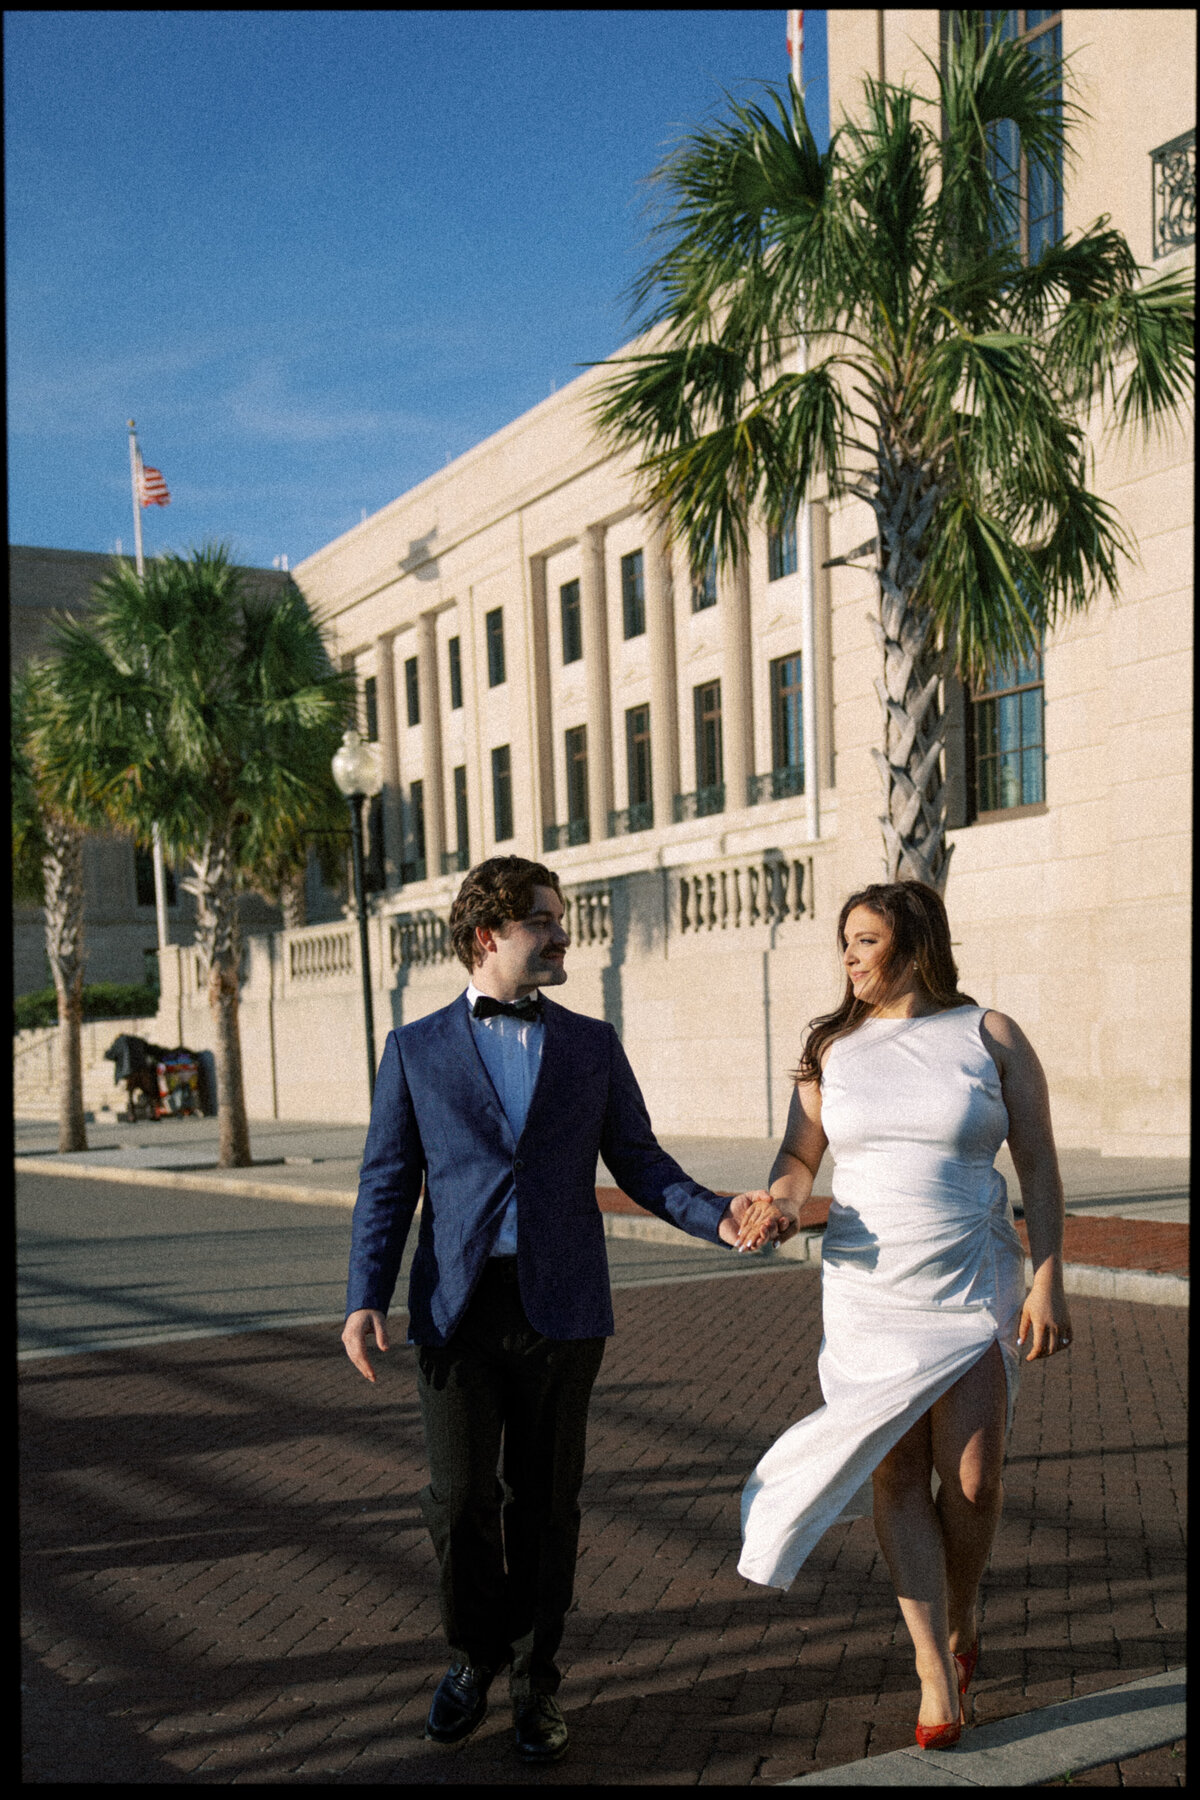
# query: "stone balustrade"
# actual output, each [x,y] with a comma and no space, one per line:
[764,890]
[319,952]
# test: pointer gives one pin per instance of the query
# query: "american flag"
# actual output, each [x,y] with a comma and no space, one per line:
[152,489]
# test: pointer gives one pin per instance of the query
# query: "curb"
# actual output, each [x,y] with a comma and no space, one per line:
[1140,1285]
[1033,1747]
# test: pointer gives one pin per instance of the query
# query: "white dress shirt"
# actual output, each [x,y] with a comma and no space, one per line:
[512,1054]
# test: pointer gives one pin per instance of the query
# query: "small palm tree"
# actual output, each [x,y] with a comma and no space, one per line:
[947,384]
[47,842]
[187,700]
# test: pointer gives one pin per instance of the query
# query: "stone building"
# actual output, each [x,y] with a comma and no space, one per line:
[693,757]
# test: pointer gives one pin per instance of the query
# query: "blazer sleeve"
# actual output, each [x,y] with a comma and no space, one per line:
[389,1186]
[642,1167]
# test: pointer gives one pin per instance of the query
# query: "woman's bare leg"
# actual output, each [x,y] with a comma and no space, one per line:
[967,1441]
[910,1536]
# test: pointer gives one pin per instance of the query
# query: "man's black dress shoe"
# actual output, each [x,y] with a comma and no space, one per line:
[460,1703]
[541,1728]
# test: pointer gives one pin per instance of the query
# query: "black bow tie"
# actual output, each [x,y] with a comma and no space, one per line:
[528,1009]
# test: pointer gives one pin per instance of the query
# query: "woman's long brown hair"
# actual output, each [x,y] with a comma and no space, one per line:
[920,935]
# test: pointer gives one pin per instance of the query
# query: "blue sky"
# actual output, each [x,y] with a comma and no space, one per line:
[318,254]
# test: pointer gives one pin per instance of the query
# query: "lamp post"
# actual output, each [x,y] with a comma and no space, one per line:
[359,776]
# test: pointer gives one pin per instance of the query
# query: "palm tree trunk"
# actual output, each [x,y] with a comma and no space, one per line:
[62,870]
[293,900]
[914,817]
[218,938]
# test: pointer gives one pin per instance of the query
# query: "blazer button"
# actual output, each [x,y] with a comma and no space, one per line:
[518,1162]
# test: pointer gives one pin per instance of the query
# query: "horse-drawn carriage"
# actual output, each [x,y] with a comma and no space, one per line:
[159,1083]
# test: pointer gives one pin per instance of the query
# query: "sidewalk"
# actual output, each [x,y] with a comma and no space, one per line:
[227,1578]
[1127,1232]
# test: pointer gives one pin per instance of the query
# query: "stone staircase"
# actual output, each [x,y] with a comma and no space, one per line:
[36,1067]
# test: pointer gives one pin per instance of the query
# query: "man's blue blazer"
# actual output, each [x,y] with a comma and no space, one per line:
[437,1119]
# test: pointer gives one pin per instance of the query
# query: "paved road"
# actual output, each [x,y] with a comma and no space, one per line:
[291,1153]
[227,1579]
[103,1265]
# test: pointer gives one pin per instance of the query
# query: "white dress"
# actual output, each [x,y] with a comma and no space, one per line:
[922,1270]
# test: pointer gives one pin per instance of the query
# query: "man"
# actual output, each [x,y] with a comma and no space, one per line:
[501,1103]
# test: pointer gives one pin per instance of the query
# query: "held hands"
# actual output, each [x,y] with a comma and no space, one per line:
[754,1219]
[1045,1314]
[355,1332]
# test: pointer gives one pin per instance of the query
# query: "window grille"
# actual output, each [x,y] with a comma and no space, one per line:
[1009,738]
[781,550]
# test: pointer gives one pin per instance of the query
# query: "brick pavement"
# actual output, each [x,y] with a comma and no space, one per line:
[227,1579]
[1103,1243]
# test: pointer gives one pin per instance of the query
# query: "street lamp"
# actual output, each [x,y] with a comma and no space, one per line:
[359,775]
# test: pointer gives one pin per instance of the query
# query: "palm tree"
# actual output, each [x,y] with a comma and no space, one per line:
[47,840]
[187,700]
[947,384]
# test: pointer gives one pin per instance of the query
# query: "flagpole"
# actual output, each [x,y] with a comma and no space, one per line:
[160,872]
[804,552]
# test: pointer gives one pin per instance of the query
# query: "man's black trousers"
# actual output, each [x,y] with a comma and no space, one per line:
[498,1396]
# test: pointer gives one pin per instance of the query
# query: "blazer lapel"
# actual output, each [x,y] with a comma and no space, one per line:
[558,1073]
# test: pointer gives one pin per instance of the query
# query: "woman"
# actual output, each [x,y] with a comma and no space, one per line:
[914,1088]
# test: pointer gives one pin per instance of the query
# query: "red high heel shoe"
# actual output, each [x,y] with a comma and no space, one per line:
[966,1666]
[940,1737]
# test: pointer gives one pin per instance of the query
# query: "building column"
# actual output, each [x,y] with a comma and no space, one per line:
[737,717]
[429,696]
[541,711]
[664,695]
[389,741]
[594,617]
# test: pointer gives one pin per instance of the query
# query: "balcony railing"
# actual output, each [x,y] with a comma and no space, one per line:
[700,805]
[562,837]
[1174,194]
[776,784]
[454,862]
[631,818]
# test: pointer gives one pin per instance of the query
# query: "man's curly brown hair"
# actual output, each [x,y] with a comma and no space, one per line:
[493,893]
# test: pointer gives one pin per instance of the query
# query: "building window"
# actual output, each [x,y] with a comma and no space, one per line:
[704,586]
[1034,196]
[577,784]
[502,811]
[710,764]
[787,714]
[781,550]
[637,757]
[455,674]
[412,868]
[412,692]
[572,623]
[416,800]
[371,696]
[495,648]
[633,594]
[460,808]
[1009,739]
[143,875]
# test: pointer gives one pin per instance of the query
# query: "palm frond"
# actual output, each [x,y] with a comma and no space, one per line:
[1133,345]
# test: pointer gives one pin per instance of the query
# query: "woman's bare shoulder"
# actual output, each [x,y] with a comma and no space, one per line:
[1008,1044]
